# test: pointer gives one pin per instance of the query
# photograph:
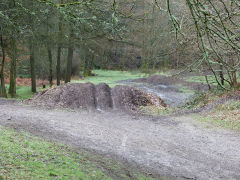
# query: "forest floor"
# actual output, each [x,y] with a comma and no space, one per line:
[162,146]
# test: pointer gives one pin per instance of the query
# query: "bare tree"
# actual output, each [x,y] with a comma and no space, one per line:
[217,31]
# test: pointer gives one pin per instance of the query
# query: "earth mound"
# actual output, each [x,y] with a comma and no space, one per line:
[126,97]
[90,96]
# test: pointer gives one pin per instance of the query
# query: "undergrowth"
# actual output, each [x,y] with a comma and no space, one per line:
[224,107]
[204,98]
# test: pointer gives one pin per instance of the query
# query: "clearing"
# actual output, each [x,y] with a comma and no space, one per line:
[173,146]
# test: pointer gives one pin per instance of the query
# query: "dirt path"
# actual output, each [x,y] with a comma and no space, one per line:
[164,146]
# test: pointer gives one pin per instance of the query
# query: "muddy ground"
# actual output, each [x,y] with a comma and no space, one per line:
[173,90]
[168,146]
[176,146]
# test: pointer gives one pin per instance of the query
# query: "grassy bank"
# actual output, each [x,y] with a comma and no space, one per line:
[222,108]
[23,156]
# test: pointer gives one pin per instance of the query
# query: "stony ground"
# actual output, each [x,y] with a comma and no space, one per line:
[174,146]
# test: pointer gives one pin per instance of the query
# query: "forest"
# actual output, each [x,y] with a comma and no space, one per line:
[82,81]
[55,40]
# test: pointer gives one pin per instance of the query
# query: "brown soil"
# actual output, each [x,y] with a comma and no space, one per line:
[90,97]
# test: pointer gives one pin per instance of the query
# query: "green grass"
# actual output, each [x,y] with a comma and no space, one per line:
[225,114]
[23,156]
[111,77]
[185,89]
[204,98]
[223,119]
[201,79]
[23,92]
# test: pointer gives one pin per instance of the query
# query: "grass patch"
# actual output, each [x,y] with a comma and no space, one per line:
[203,99]
[224,114]
[228,119]
[185,89]
[202,79]
[111,77]
[25,157]
[211,79]
[156,110]
[23,92]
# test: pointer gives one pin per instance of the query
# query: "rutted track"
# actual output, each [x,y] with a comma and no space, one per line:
[169,146]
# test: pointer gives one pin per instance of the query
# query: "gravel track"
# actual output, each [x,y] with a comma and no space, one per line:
[166,146]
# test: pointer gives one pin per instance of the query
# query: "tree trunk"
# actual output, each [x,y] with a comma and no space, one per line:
[50,66]
[234,81]
[86,66]
[59,50]
[3,92]
[32,67]
[12,86]
[88,63]
[58,69]
[221,74]
[234,75]
[69,58]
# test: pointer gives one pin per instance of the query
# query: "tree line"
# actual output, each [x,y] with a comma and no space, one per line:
[56,39]
[30,28]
